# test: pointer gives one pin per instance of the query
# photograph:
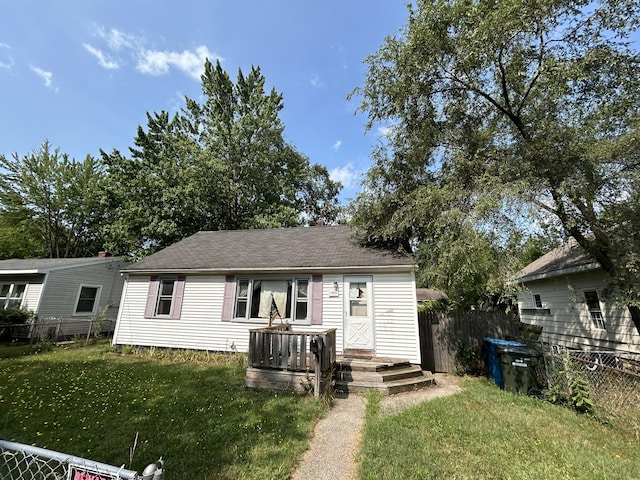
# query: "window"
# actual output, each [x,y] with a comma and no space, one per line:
[537,300]
[358,299]
[593,304]
[88,298]
[274,299]
[164,298]
[11,295]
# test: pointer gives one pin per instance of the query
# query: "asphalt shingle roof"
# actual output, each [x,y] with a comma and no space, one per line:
[269,249]
[568,256]
[20,264]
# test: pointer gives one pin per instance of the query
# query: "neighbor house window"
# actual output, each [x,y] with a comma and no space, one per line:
[264,299]
[11,295]
[88,298]
[537,300]
[593,304]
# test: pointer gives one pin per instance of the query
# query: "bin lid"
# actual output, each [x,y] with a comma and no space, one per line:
[524,350]
[499,342]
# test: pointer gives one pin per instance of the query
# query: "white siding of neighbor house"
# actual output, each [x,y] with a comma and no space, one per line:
[200,325]
[32,296]
[570,323]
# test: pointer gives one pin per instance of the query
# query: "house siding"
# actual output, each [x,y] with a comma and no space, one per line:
[569,322]
[33,290]
[201,326]
[396,316]
[62,286]
[32,295]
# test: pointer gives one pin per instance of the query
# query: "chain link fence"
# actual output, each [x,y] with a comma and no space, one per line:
[55,329]
[613,380]
[25,462]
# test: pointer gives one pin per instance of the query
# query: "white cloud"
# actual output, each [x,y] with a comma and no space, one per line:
[384,131]
[347,175]
[159,63]
[337,145]
[104,60]
[117,40]
[6,60]
[148,61]
[47,77]
[315,81]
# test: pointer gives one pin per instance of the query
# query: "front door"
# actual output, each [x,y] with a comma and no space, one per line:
[358,313]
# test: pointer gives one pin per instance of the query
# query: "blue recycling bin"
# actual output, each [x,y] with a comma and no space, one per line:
[494,367]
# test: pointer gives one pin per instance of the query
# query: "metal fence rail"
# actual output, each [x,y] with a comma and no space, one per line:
[24,462]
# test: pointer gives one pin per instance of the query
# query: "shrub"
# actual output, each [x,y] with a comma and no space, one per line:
[568,386]
[12,316]
[467,359]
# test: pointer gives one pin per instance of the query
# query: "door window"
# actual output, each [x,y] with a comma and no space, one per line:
[358,299]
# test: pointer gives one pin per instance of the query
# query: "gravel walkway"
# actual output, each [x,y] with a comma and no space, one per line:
[335,444]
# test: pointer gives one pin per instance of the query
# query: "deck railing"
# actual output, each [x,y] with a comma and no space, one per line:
[280,348]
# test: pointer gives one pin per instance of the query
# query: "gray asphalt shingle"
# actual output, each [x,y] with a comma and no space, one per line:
[565,257]
[269,249]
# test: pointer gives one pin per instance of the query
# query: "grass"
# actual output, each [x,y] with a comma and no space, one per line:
[192,410]
[486,433]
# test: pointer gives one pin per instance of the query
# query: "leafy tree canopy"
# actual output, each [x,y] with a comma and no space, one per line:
[220,164]
[505,115]
[50,204]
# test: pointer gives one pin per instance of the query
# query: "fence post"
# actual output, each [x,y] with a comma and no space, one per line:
[89,332]
[58,327]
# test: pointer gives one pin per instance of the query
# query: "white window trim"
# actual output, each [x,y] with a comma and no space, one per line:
[159,296]
[603,321]
[292,300]
[96,302]
[9,297]
[535,304]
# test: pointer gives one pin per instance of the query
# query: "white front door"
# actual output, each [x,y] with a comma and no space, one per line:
[358,313]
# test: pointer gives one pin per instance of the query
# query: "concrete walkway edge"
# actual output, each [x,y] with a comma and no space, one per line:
[333,454]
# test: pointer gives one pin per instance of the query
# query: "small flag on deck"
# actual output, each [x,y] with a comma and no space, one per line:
[274,312]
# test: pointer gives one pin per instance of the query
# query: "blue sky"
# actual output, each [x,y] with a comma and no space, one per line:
[83,74]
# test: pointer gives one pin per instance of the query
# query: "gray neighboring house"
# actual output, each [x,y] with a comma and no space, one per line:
[63,293]
[207,291]
[564,293]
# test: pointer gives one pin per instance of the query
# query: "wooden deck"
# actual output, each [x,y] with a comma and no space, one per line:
[281,358]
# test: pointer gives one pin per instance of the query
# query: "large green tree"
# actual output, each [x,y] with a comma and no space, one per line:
[510,114]
[222,163]
[56,199]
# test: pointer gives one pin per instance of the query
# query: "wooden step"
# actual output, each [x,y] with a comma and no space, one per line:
[386,388]
[386,375]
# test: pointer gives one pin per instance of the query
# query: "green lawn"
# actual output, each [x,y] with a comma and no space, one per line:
[198,416]
[486,433]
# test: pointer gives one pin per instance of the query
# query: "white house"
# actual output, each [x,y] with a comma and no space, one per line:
[564,292]
[207,291]
[63,293]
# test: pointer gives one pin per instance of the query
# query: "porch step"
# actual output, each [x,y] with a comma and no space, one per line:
[387,375]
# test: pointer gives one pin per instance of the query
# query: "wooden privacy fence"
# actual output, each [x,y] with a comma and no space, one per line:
[441,332]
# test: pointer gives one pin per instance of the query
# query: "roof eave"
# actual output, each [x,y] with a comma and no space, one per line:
[23,272]
[225,271]
[557,273]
